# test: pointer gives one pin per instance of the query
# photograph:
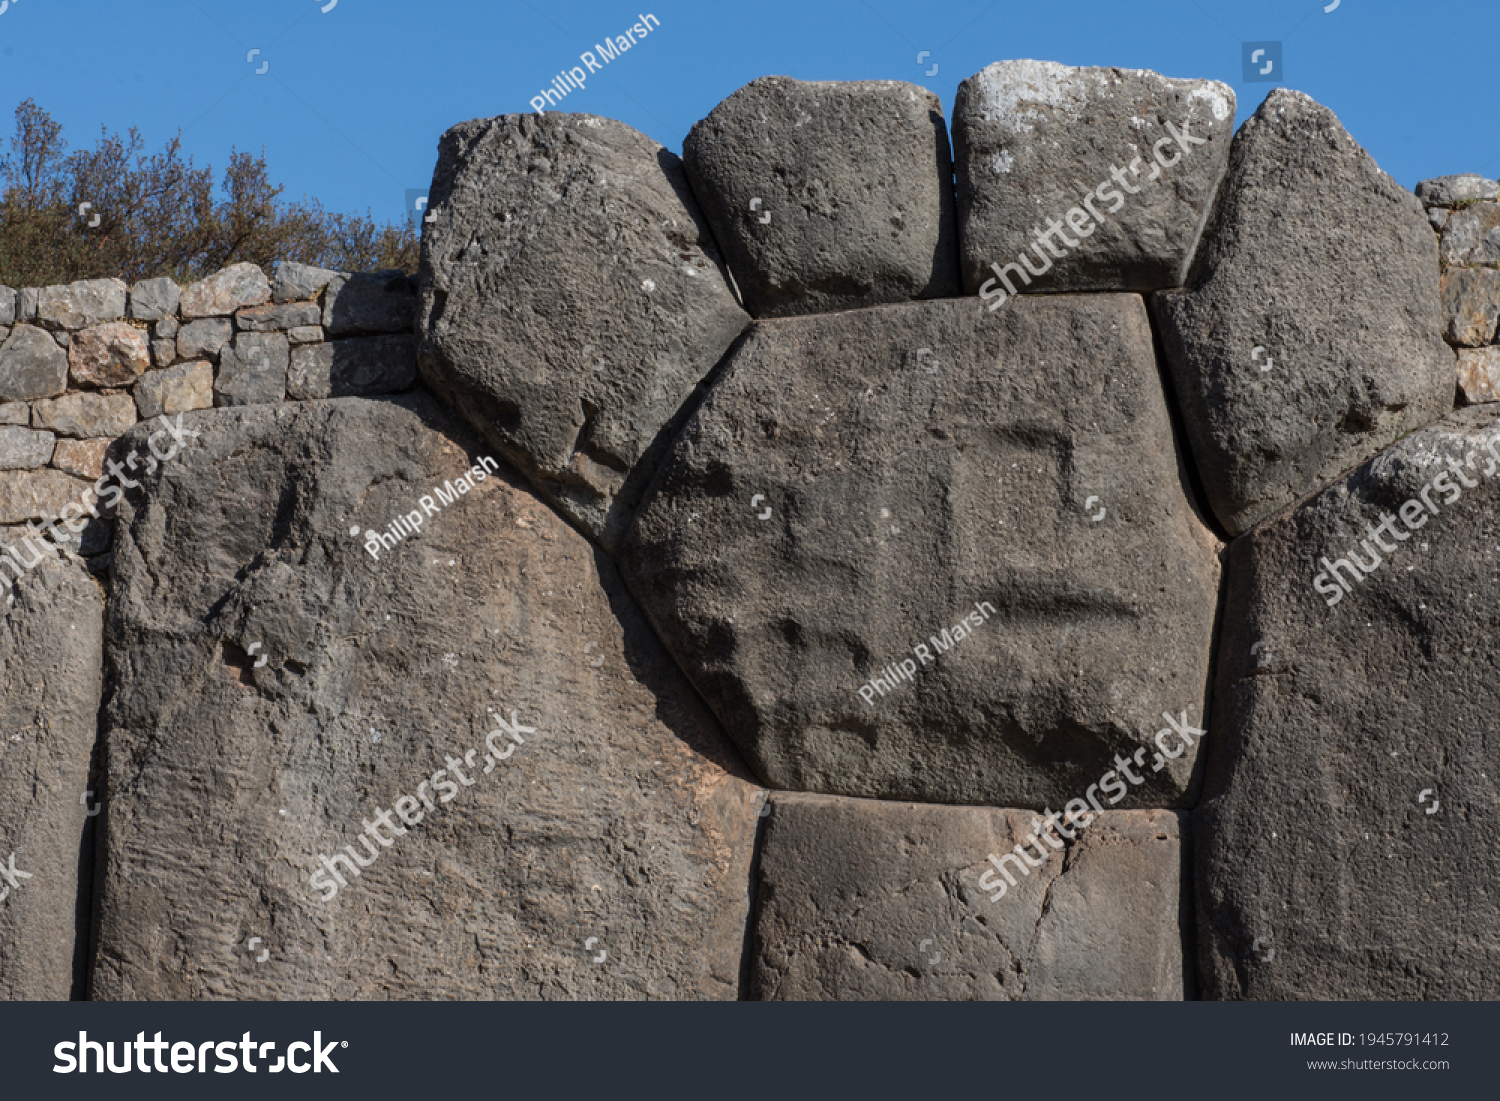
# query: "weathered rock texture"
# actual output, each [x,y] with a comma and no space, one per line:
[863,900]
[364,728]
[828,195]
[1311,335]
[1348,830]
[1032,139]
[275,685]
[51,632]
[576,225]
[858,483]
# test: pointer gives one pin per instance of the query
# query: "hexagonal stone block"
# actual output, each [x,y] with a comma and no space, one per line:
[1311,335]
[572,300]
[926,552]
[828,195]
[1348,835]
[864,900]
[1084,179]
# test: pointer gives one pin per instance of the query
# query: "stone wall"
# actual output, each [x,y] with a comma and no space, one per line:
[1033,559]
[81,364]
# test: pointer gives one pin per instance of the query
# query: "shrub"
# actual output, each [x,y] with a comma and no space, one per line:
[159,215]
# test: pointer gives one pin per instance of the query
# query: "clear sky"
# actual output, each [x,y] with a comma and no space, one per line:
[353,99]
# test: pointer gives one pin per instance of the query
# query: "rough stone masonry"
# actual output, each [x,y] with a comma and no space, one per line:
[760,439]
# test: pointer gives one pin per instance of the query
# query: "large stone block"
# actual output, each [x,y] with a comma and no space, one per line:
[1001,490]
[281,317]
[1479,375]
[51,668]
[1471,236]
[865,900]
[204,338]
[31,365]
[295,282]
[1348,838]
[572,300]
[1311,336]
[828,195]
[175,390]
[1471,305]
[77,305]
[618,829]
[1116,168]
[154,300]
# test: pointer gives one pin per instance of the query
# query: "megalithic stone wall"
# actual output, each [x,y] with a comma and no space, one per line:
[1065,516]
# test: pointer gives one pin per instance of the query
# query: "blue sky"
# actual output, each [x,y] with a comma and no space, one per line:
[353,99]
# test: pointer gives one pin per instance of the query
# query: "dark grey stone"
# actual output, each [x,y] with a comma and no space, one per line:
[51,667]
[1311,335]
[31,365]
[572,300]
[369,302]
[1347,836]
[296,282]
[1448,190]
[253,370]
[856,484]
[828,195]
[154,300]
[620,830]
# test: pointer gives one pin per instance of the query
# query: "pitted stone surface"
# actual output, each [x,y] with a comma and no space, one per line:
[623,814]
[572,300]
[51,662]
[1311,335]
[858,483]
[1347,835]
[863,900]
[1030,138]
[828,195]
